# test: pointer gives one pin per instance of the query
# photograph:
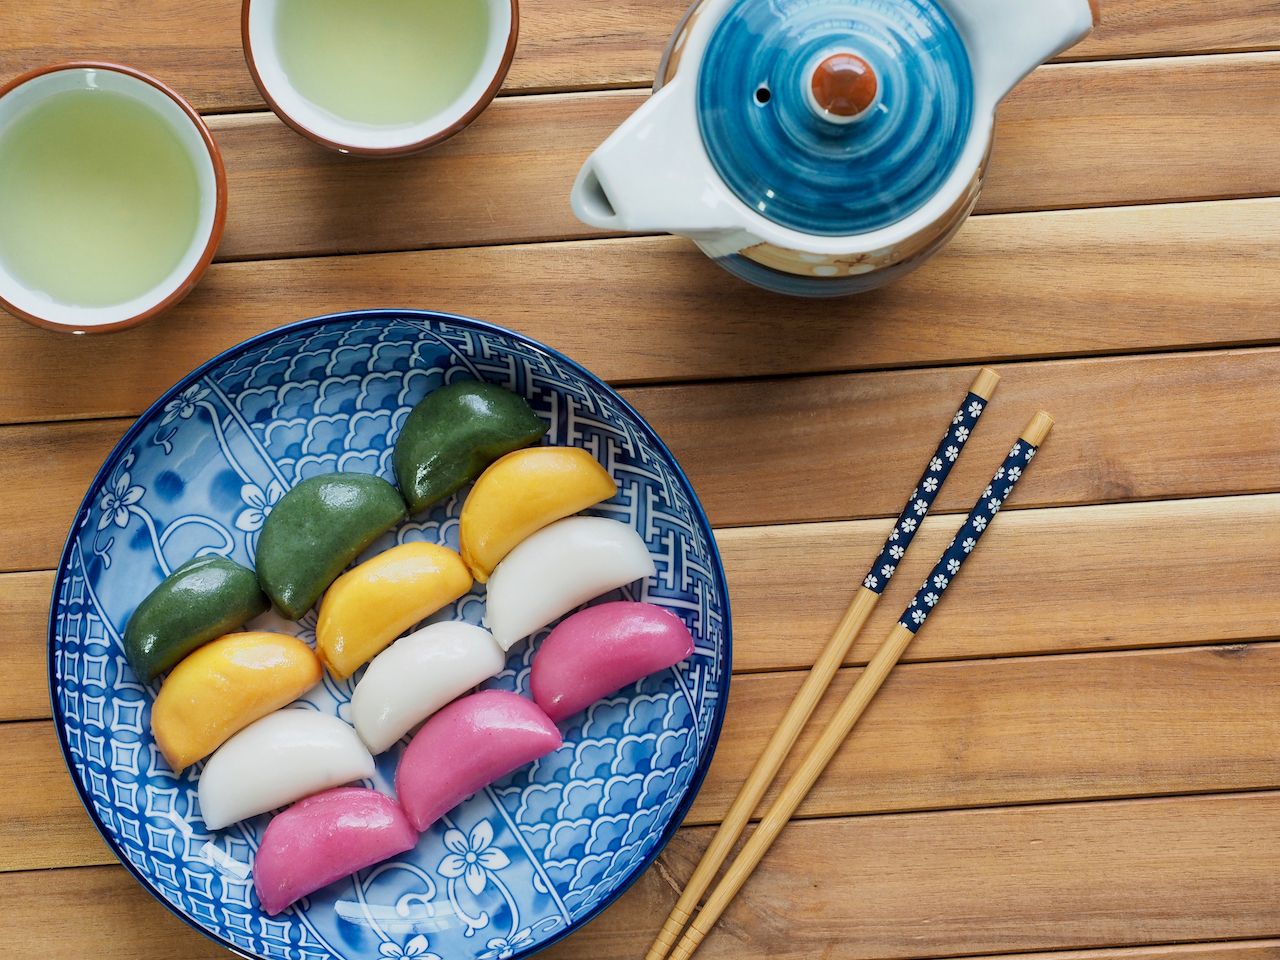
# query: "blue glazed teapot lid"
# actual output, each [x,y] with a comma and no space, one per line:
[834,117]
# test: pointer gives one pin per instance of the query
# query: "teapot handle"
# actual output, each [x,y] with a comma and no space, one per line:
[653,174]
[1009,38]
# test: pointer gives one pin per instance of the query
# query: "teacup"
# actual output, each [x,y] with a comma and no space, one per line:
[379,77]
[113,197]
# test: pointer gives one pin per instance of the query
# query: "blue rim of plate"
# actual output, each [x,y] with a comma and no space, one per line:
[713,732]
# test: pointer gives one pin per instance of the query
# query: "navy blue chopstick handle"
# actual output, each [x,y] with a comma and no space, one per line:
[964,542]
[926,491]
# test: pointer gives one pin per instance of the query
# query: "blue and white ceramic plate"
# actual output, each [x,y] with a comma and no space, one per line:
[515,867]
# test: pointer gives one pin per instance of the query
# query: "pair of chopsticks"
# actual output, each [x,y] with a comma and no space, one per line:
[829,661]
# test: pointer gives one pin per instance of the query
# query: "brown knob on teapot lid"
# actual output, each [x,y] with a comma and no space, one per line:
[844,86]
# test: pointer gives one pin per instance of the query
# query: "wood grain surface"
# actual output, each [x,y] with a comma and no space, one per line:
[1076,762]
[1201,424]
[564,44]
[1178,425]
[506,178]
[1143,558]
[989,881]
[24,611]
[1140,279]
[988,733]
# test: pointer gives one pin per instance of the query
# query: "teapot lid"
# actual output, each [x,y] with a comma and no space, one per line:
[835,117]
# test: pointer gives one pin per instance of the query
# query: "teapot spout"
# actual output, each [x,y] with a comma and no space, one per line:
[652,174]
[1009,38]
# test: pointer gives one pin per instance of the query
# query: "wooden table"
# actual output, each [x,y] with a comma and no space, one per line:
[1083,755]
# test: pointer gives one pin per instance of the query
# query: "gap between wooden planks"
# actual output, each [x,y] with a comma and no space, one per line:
[867,888]
[1014,286]
[1139,132]
[564,44]
[939,736]
[1129,428]
[789,585]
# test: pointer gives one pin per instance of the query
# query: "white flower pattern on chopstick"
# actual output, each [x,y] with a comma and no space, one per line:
[964,542]
[922,497]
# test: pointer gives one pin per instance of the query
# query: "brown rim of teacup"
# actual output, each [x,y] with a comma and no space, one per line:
[220,199]
[485,98]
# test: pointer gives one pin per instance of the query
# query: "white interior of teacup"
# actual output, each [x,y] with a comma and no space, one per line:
[30,96]
[343,134]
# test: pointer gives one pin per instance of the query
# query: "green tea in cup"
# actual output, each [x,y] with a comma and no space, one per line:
[379,76]
[381,62]
[110,198]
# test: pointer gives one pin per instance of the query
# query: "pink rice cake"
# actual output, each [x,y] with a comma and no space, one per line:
[601,650]
[465,747]
[324,838]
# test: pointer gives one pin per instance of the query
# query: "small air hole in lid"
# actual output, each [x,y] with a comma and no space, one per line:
[763,94]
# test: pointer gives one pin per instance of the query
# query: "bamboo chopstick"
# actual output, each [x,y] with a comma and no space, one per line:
[833,655]
[868,682]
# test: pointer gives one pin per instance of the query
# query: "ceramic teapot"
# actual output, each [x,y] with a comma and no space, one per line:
[821,147]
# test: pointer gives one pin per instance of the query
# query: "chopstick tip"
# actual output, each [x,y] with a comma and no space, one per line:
[1038,429]
[984,384]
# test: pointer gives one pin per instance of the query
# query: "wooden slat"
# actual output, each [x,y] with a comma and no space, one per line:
[983,881]
[940,735]
[43,823]
[143,930]
[194,47]
[1159,124]
[1139,280]
[778,451]
[995,732]
[197,49]
[564,44]
[1068,132]
[872,888]
[1046,581]
[24,611]
[1144,559]
[1231,950]
[1133,428]
[506,178]
[35,505]
[58,914]
[1157,26]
